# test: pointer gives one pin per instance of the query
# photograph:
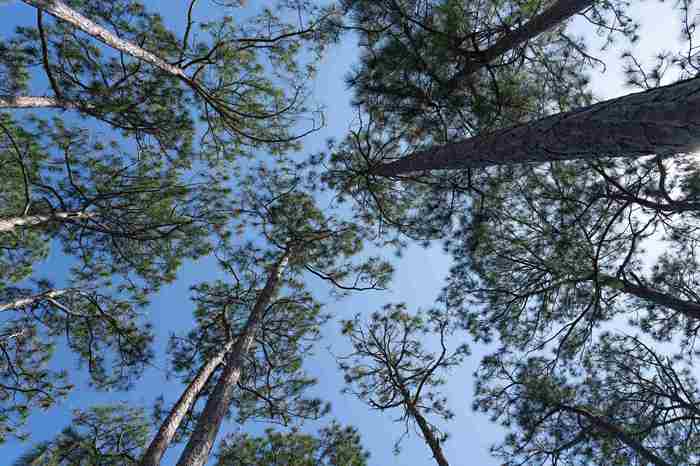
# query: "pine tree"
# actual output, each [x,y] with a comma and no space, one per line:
[548,256]
[127,222]
[106,332]
[118,62]
[659,121]
[389,368]
[623,403]
[334,445]
[265,314]
[99,436]
[117,434]
[452,68]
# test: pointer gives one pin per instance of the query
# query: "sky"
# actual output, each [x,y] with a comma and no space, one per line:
[418,280]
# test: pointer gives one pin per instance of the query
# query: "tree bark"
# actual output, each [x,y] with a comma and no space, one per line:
[664,120]
[428,435]
[621,435]
[12,223]
[35,102]
[167,430]
[689,309]
[198,448]
[60,10]
[29,300]
[557,13]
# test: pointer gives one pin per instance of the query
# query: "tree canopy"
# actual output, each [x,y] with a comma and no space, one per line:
[139,144]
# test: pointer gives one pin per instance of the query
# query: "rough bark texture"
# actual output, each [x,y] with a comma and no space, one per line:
[689,309]
[12,223]
[429,436]
[556,14]
[198,448]
[34,102]
[664,120]
[60,10]
[605,426]
[167,430]
[29,300]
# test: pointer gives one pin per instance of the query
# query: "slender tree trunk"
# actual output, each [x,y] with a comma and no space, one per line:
[621,435]
[664,120]
[198,448]
[60,10]
[428,435]
[13,223]
[167,430]
[556,14]
[35,102]
[29,300]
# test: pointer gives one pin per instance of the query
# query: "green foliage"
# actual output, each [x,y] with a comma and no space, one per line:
[119,214]
[106,333]
[275,215]
[20,159]
[621,404]
[279,202]
[551,253]
[415,207]
[334,446]
[127,220]
[415,54]
[247,81]
[111,87]
[131,200]
[100,436]
[424,80]
[391,366]
[530,252]
[26,381]
[273,381]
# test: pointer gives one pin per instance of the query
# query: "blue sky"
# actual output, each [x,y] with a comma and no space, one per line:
[418,279]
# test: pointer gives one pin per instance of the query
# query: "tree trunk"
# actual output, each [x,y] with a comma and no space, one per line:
[167,430]
[34,102]
[60,10]
[428,435]
[198,448]
[29,300]
[621,435]
[556,14]
[664,120]
[689,309]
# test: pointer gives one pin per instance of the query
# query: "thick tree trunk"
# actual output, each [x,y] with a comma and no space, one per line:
[167,430]
[34,102]
[664,120]
[60,10]
[556,14]
[429,436]
[676,207]
[198,448]
[605,426]
[689,309]
[13,223]
[29,300]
